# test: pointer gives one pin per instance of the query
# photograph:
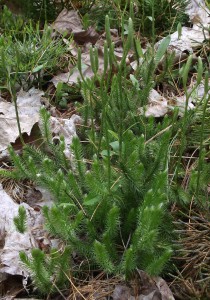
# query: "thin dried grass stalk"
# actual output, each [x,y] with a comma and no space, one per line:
[193,257]
[96,288]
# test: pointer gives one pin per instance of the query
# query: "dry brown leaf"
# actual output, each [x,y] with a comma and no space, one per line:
[72,78]
[191,37]
[165,291]
[157,289]
[68,22]
[122,292]
[86,36]
[143,287]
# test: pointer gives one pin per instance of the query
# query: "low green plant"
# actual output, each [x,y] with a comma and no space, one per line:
[165,15]
[29,55]
[151,17]
[20,220]
[10,23]
[60,96]
[40,10]
[43,10]
[48,270]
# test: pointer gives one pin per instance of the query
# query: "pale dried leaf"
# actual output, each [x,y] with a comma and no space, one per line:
[198,12]
[149,288]
[157,106]
[12,241]
[189,39]
[29,104]
[66,128]
[158,290]
[73,76]
[67,77]
[195,97]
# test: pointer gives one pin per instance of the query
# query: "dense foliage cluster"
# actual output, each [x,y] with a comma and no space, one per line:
[112,196]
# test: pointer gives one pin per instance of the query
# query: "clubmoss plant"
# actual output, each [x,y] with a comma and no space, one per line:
[111,197]
[109,209]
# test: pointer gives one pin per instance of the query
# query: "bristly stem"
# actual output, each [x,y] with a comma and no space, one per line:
[200,161]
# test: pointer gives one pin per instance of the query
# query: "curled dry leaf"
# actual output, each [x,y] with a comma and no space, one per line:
[183,45]
[12,242]
[122,292]
[68,22]
[158,105]
[70,78]
[86,36]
